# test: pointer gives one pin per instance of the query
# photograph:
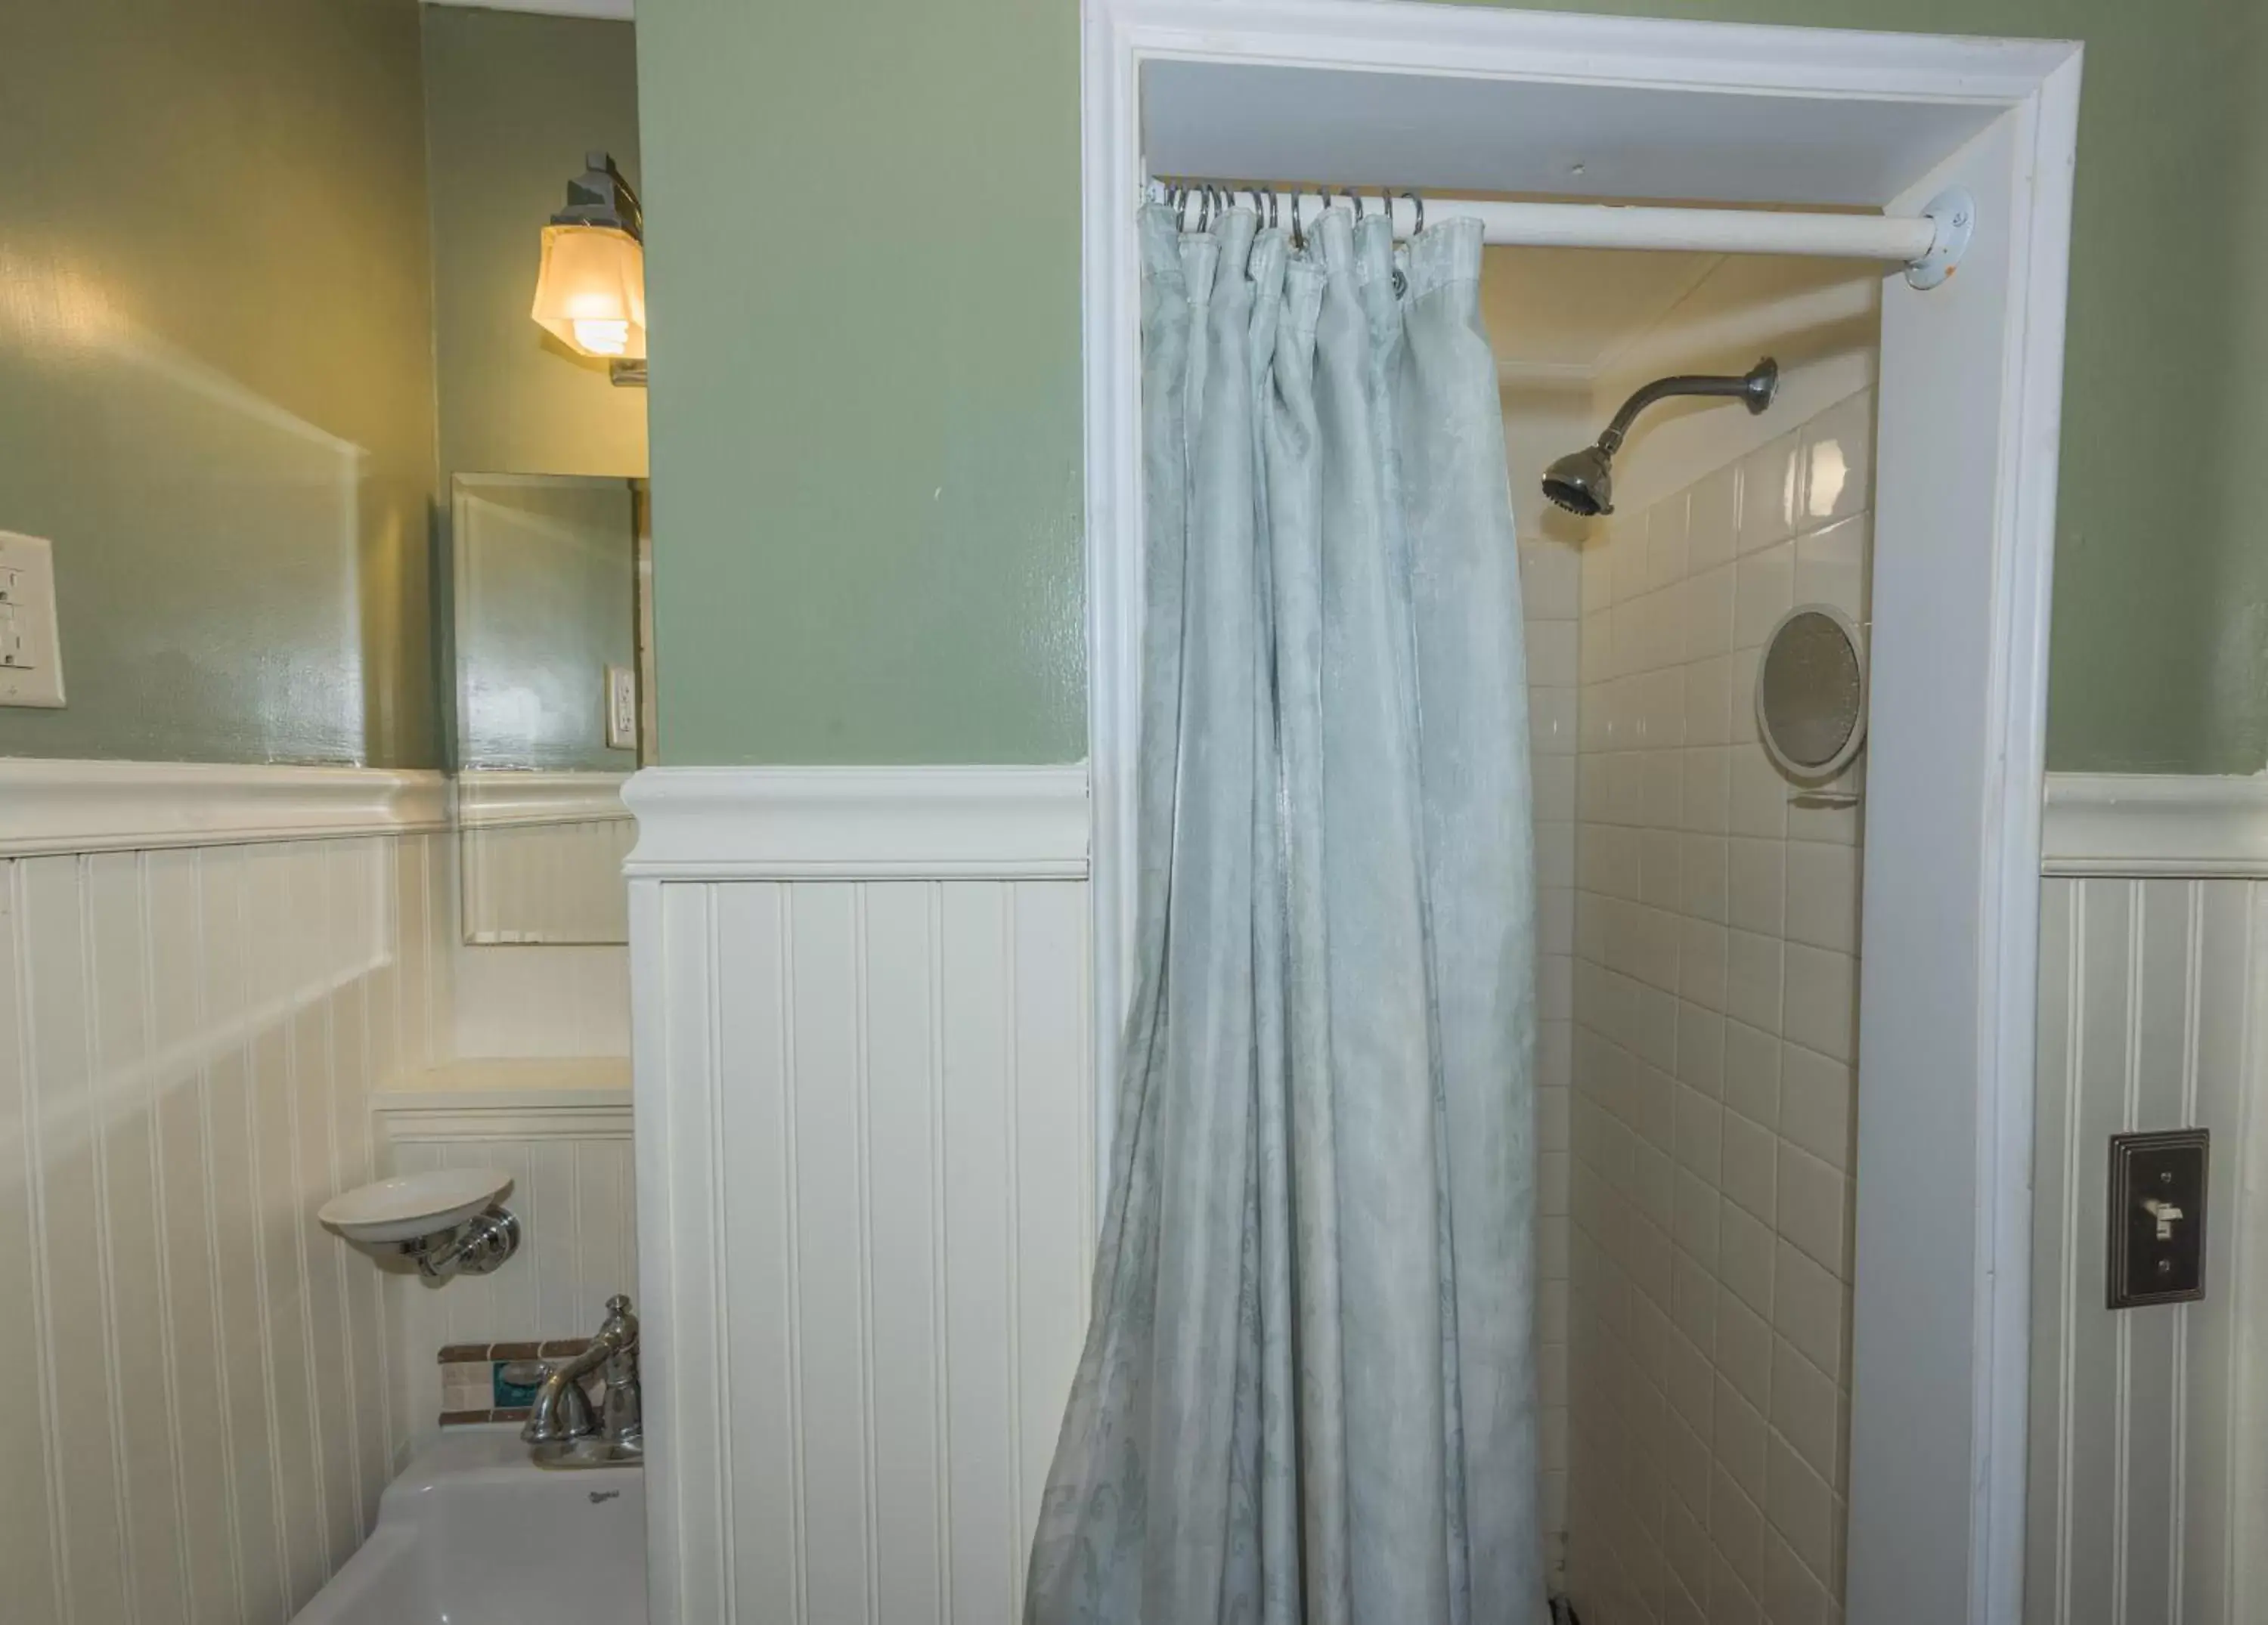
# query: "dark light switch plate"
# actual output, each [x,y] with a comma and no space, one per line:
[2157,1217]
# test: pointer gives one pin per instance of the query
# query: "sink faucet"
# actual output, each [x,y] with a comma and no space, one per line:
[561,1412]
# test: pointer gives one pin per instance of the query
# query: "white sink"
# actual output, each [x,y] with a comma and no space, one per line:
[474,1533]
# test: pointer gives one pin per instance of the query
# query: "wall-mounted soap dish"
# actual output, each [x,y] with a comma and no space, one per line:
[449,1220]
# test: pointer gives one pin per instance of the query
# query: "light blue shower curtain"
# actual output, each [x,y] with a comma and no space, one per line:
[1307,1395]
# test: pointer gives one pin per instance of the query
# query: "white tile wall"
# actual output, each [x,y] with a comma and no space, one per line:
[1550,574]
[1714,976]
[199,1373]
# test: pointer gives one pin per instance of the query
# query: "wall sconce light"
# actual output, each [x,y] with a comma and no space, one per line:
[590,293]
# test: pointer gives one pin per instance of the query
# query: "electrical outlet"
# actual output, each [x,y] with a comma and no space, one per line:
[31,654]
[622,708]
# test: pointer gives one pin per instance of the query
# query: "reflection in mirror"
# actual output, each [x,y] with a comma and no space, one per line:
[553,685]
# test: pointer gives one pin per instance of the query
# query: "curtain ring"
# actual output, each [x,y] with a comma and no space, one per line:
[1205,211]
[1271,209]
[1258,213]
[1354,197]
[1419,203]
[1298,237]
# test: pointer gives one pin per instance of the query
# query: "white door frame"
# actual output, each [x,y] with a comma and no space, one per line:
[1938,1496]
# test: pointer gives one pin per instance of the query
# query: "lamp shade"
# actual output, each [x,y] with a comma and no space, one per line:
[590,293]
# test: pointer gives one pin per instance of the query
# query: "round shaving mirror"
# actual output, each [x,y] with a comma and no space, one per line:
[1811,693]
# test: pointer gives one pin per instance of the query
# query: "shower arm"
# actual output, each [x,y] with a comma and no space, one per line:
[1755,385]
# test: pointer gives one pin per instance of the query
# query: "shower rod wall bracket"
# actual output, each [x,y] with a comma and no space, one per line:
[1955,213]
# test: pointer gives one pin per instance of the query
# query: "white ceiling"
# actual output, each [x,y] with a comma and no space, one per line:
[1233,121]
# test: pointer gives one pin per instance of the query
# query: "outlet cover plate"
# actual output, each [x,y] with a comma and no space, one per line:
[622,708]
[31,652]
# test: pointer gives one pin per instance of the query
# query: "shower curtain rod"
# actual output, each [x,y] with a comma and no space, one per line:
[1927,244]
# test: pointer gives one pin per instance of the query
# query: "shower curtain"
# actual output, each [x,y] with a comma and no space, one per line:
[1307,1393]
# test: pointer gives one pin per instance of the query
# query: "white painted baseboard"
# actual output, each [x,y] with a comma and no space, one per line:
[2143,824]
[108,806]
[866,1181]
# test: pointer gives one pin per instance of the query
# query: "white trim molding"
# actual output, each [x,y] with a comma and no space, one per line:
[605,11]
[48,806]
[2145,824]
[932,823]
[487,799]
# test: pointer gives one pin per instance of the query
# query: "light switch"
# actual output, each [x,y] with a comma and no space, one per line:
[622,708]
[2157,1217]
[31,654]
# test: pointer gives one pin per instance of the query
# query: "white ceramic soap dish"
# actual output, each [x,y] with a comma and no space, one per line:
[448,1220]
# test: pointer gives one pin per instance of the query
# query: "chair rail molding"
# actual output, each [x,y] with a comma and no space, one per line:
[54,806]
[2146,824]
[491,797]
[911,823]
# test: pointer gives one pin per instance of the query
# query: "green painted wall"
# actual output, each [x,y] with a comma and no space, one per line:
[865,276]
[862,270]
[215,375]
[512,101]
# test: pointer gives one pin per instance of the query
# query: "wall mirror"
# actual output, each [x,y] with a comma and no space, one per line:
[550,630]
[1811,693]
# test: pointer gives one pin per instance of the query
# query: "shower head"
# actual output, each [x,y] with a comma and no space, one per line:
[1583,482]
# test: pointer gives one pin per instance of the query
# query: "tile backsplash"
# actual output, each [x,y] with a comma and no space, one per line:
[1714,971]
[477,1378]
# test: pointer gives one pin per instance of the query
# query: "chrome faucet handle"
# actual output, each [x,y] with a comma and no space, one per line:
[621,1406]
[561,1409]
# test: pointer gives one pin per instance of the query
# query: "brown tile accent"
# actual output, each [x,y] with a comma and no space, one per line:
[460,1418]
[509,1413]
[473,1354]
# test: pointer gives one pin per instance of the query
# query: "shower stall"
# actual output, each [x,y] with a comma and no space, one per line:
[1781,1092]
[1723,1234]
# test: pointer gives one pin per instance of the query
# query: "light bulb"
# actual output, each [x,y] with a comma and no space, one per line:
[600,337]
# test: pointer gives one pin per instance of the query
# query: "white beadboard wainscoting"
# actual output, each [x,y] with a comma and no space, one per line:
[200,1389]
[543,857]
[559,883]
[562,1131]
[542,1000]
[2149,1427]
[542,967]
[866,1181]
